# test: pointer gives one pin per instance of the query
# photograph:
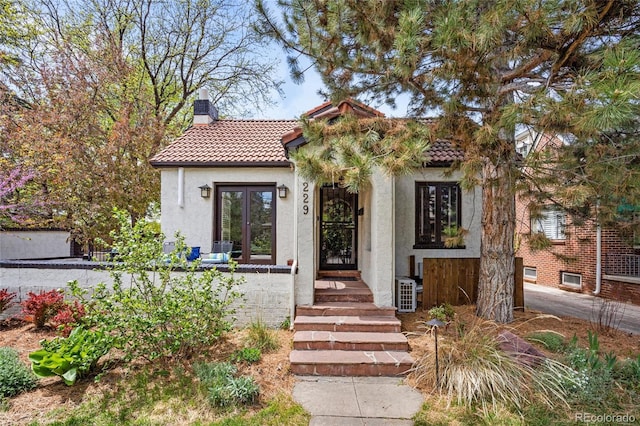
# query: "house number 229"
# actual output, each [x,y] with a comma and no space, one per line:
[305,198]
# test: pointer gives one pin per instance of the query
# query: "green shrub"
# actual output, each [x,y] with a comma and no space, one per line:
[71,357]
[160,305]
[223,387]
[444,312]
[286,323]
[262,337]
[15,377]
[552,341]
[627,372]
[593,385]
[248,355]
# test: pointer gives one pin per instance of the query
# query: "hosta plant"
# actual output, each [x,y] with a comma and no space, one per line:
[70,357]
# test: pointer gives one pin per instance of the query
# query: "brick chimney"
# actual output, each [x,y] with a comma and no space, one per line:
[203,110]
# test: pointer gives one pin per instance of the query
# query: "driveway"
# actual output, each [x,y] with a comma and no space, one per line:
[579,305]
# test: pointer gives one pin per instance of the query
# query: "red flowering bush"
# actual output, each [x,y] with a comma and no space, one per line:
[41,307]
[5,299]
[68,317]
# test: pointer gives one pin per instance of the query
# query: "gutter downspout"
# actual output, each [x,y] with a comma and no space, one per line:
[180,187]
[598,260]
[598,252]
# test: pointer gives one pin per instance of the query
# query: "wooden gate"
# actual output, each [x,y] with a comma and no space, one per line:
[455,281]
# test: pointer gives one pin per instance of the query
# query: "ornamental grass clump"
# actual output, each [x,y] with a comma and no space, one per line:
[475,371]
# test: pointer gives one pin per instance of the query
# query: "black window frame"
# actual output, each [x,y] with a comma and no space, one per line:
[439,243]
[246,188]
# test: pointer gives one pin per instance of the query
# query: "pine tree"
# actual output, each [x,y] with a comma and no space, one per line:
[485,67]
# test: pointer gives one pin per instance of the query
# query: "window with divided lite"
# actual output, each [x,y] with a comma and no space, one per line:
[437,212]
[246,216]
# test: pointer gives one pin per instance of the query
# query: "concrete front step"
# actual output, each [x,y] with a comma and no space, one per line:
[350,363]
[372,323]
[350,341]
[339,274]
[344,295]
[344,309]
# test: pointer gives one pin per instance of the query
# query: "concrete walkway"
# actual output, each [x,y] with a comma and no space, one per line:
[562,303]
[373,401]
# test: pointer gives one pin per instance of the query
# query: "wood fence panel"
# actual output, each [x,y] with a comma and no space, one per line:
[455,281]
[518,291]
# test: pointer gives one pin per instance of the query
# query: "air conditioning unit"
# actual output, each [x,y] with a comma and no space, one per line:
[406,300]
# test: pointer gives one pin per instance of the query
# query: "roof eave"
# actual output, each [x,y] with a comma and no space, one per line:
[201,164]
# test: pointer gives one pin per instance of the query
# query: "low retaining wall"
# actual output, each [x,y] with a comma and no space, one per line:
[267,290]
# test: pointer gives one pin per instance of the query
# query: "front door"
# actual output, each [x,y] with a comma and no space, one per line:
[338,228]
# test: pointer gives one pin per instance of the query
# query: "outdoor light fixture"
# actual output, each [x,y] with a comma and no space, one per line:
[435,323]
[282,191]
[205,191]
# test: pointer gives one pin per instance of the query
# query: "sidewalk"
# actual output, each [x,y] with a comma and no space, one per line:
[371,401]
[562,303]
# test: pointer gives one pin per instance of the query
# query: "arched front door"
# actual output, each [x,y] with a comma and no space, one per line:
[338,229]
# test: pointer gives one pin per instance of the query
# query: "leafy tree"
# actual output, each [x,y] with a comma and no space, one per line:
[108,83]
[485,67]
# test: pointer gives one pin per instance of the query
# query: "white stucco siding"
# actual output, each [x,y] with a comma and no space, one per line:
[34,244]
[195,218]
[266,296]
[376,250]
[306,204]
[471,213]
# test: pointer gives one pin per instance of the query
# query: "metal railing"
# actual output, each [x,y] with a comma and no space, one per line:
[625,265]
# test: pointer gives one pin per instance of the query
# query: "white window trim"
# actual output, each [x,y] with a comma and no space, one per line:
[530,277]
[562,281]
[552,224]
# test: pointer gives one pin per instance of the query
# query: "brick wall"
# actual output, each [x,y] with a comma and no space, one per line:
[576,254]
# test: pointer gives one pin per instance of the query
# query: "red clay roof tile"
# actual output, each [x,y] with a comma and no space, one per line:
[228,142]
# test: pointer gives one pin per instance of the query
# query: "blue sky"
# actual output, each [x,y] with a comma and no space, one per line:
[300,98]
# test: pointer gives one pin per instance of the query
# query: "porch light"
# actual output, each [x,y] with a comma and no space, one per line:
[205,191]
[282,191]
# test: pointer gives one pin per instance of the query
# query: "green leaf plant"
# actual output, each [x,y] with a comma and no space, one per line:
[72,357]
[160,305]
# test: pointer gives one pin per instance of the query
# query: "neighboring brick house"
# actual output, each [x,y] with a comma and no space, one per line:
[572,261]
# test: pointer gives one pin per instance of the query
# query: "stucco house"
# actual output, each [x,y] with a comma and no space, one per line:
[586,258]
[233,180]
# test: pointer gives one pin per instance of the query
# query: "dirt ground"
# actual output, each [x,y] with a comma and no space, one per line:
[272,372]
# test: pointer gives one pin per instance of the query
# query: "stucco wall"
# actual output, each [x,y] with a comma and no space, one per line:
[267,295]
[306,204]
[377,260]
[405,220]
[34,244]
[195,218]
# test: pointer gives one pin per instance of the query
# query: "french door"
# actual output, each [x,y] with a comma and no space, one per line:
[246,217]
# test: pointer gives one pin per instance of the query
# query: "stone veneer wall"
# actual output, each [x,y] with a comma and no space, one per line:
[267,291]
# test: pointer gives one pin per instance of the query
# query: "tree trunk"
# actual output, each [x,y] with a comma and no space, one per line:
[497,261]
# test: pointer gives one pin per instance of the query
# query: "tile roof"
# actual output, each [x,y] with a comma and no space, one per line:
[442,152]
[250,143]
[228,143]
